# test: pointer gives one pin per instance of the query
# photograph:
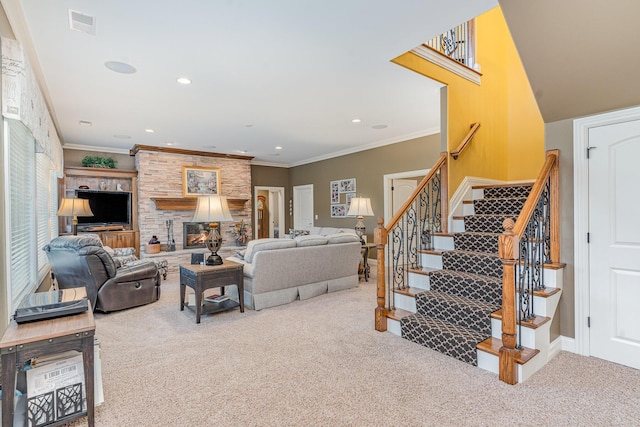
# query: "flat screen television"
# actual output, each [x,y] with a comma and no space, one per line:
[108,207]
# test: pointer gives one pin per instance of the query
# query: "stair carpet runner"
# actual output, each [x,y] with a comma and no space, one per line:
[453,316]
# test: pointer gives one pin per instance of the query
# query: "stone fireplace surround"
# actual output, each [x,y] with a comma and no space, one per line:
[160,175]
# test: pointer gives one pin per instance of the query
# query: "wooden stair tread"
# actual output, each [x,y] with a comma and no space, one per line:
[423,270]
[546,292]
[431,251]
[534,323]
[519,184]
[398,314]
[441,234]
[492,346]
[410,292]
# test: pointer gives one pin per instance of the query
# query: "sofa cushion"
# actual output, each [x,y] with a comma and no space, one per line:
[342,238]
[310,240]
[255,246]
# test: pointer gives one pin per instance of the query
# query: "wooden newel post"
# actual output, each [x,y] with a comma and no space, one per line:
[380,239]
[507,251]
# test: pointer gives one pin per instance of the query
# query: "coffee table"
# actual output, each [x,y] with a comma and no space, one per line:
[202,277]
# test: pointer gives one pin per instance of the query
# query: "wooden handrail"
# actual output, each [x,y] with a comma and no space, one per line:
[467,139]
[380,233]
[508,244]
[549,168]
[442,160]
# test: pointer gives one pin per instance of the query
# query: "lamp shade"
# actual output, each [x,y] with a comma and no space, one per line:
[74,207]
[212,208]
[360,206]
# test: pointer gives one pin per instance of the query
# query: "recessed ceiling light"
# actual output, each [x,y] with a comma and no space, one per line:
[242,151]
[356,121]
[275,154]
[379,126]
[184,80]
[149,130]
[248,125]
[120,67]
[278,148]
[85,123]
[122,136]
[170,143]
[209,147]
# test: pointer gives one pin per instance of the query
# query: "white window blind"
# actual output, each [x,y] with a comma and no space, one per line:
[22,272]
[45,194]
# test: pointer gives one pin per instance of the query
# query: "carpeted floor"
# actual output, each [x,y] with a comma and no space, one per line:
[320,362]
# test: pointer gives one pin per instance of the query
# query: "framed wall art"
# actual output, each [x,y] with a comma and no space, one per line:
[335,191]
[338,211]
[348,185]
[199,181]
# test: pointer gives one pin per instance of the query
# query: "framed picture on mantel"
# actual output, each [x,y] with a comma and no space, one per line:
[198,181]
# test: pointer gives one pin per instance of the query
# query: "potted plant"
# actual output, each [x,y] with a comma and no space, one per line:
[99,162]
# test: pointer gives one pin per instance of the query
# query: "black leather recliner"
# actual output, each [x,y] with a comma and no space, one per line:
[81,261]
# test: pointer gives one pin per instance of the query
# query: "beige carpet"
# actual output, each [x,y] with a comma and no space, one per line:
[320,362]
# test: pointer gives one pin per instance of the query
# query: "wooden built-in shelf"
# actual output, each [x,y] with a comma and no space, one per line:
[189,203]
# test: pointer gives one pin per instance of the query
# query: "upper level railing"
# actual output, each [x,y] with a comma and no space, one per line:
[410,230]
[526,245]
[458,43]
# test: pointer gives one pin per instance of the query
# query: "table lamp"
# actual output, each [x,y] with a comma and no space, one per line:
[360,207]
[75,208]
[213,209]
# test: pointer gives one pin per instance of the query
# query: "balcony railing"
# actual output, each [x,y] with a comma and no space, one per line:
[458,43]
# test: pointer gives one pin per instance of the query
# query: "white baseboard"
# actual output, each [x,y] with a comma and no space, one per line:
[568,344]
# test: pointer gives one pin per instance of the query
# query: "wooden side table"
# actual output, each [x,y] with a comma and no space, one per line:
[365,260]
[28,340]
[203,277]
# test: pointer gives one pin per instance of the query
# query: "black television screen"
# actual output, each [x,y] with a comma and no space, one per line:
[108,207]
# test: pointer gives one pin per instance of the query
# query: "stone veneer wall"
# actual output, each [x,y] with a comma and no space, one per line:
[160,175]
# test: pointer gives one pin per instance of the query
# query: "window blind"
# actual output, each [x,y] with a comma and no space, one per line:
[22,271]
[44,196]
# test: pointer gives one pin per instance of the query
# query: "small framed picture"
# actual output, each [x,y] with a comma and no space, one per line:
[335,191]
[348,185]
[338,211]
[198,181]
[197,259]
[348,197]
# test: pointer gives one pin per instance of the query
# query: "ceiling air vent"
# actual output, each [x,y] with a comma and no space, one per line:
[80,22]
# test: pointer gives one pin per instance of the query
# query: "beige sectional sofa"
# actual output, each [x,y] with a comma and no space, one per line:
[279,271]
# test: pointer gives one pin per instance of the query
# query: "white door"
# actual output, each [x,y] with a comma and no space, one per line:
[303,206]
[401,189]
[614,248]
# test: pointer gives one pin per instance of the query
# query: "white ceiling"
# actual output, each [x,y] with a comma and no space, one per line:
[289,73]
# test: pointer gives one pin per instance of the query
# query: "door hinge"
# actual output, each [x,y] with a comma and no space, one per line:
[392,188]
[588,237]
[588,321]
[589,150]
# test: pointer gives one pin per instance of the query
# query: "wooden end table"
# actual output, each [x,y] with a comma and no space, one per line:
[365,259]
[25,341]
[203,277]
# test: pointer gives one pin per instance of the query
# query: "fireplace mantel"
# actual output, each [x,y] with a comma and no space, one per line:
[189,203]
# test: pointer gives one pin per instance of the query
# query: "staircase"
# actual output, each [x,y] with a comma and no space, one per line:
[453,302]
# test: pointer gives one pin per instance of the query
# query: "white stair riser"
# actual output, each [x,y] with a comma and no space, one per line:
[552,278]
[458,225]
[443,243]
[405,302]
[477,193]
[468,209]
[419,281]
[537,338]
[431,261]
[489,362]
[393,326]
[544,306]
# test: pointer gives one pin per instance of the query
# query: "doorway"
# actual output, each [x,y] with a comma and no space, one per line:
[397,189]
[303,206]
[607,270]
[269,212]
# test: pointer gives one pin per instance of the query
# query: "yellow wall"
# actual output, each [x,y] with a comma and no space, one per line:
[510,142]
